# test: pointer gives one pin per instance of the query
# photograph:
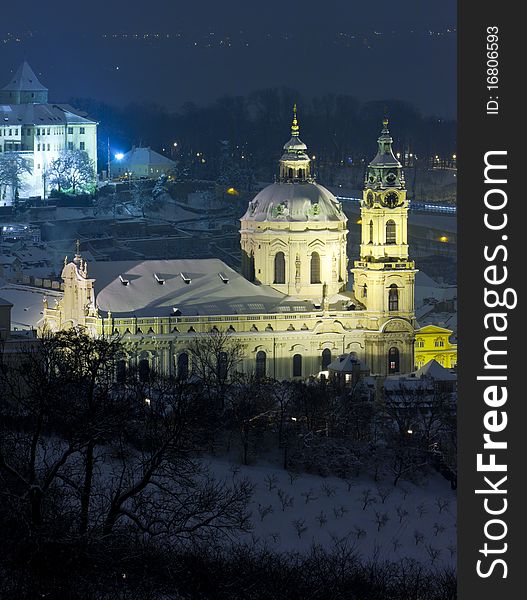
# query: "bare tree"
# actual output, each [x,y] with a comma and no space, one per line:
[13,166]
[215,358]
[84,455]
[72,170]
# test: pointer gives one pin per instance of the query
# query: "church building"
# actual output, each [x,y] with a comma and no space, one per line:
[291,307]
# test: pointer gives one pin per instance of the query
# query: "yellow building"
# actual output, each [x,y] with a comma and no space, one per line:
[433,343]
[290,308]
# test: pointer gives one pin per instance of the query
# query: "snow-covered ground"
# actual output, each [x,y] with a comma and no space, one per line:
[411,521]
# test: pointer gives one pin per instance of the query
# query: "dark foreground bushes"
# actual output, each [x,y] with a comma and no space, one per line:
[126,570]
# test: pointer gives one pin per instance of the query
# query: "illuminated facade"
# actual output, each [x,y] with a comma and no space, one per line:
[433,343]
[291,308]
[38,130]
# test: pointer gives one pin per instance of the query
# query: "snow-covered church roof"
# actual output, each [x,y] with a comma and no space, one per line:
[162,288]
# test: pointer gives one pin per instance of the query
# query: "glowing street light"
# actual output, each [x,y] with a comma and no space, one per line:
[119,156]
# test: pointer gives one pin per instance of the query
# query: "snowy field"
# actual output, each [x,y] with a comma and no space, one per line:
[290,513]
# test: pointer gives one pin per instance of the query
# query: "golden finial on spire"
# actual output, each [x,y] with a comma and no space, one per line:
[295,129]
[78,246]
[385,122]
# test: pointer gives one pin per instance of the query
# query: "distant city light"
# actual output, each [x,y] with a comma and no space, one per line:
[232,191]
[443,239]
[454,156]
[119,156]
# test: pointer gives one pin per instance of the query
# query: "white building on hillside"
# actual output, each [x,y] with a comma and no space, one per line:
[141,163]
[39,130]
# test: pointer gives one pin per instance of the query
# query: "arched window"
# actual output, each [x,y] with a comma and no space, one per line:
[182,366]
[261,358]
[297,365]
[393,297]
[144,370]
[371,232]
[290,173]
[393,360]
[120,371]
[326,359]
[390,232]
[222,365]
[364,291]
[315,267]
[279,267]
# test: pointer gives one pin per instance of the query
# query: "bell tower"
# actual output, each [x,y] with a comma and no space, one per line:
[384,276]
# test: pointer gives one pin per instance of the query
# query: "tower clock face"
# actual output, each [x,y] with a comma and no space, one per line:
[391,200]
[391,177]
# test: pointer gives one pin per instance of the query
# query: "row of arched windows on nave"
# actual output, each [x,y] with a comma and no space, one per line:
[183,367]
[314,268]
[390,230]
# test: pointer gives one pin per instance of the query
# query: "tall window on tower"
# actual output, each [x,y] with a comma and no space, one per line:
[315,267]
[393,297]
[371,232]
[279,267]
[390,232]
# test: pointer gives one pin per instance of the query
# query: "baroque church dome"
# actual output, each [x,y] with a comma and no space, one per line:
[295,197]
[294,202]
[293,234]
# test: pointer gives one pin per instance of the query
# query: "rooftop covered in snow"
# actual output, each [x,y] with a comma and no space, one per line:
[188,287]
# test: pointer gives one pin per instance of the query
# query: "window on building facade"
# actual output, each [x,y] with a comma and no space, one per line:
[390,232]
[393,360]
[297,365]
[81,130]
[120,371]
[371,232]
[144,370]
[81,145]
[315,267]
[261,367]
[70,130]
[364,291]
[223,362]
[326,359]
[393,297]
[70,145]
[279,267]
[182,366]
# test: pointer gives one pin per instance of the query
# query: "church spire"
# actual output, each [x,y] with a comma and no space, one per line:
[385,170]
[295,163]
[295,128]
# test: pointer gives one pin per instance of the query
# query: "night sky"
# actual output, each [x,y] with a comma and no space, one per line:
[199,51]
